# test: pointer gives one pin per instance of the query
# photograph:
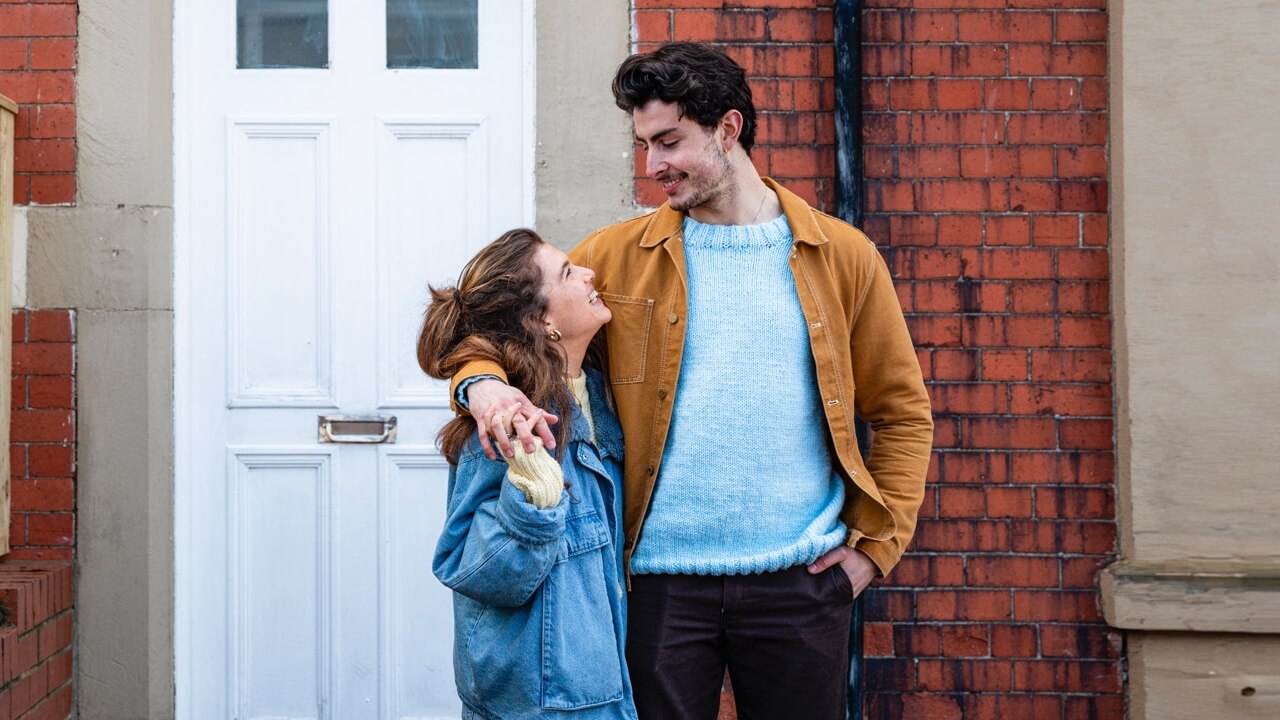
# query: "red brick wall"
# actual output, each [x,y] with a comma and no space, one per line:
[986,165]
[42,436]
[35,577]
[35,640]
[785,47]
[37,71]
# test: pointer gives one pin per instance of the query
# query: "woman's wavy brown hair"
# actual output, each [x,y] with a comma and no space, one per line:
[496,313]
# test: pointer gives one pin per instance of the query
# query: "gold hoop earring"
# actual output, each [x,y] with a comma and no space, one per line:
[554,335]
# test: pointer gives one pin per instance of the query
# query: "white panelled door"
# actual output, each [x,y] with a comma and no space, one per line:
[333,158]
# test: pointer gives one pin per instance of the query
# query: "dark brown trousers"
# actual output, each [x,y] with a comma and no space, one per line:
[783,636]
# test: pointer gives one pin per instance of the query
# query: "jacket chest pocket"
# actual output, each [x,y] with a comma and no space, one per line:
[628,334]
[582,534]
[581,656]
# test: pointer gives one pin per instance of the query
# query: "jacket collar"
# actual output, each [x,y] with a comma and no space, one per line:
[608,432]
[667,223]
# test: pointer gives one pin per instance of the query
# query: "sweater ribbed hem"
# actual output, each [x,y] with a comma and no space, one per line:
[802,553]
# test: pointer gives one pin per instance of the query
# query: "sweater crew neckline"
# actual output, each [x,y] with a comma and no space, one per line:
[736,237]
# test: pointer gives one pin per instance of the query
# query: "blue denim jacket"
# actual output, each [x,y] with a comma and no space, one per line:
[539,604]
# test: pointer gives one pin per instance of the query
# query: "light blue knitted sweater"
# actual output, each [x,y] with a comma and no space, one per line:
[747,483]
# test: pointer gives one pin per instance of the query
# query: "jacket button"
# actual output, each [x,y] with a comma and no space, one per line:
[672,318]
[662,394]
[631,542]
[649,470]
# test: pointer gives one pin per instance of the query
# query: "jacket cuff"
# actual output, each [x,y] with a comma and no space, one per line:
[883,554]
[460,395]
[471,369]
[526,523]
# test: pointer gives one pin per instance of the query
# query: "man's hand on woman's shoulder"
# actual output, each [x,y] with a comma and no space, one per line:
[502,412]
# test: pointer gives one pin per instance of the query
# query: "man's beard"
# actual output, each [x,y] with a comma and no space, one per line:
[706,190]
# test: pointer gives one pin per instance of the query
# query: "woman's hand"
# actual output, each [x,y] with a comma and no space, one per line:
[496,406]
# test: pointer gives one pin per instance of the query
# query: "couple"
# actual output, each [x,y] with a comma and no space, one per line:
[702,502]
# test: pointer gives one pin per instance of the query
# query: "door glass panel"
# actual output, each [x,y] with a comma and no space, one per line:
[282,33]
[432,34]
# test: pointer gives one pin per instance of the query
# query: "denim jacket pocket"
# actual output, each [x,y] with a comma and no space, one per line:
[499,649]
[628,334]
[581,663]
[582,533]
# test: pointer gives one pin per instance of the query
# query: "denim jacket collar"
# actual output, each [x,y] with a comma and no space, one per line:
[608,432]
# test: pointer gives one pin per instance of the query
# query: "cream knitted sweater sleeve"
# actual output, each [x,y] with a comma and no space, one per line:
[536,474]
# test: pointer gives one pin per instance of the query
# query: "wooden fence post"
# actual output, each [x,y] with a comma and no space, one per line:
[8,118]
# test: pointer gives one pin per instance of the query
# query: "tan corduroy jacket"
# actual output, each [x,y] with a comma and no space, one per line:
[864,356]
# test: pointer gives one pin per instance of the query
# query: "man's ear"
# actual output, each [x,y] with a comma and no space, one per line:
[730,127]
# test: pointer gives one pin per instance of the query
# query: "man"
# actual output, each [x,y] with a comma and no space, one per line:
[747,330]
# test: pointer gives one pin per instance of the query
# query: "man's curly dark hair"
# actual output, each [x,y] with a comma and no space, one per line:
[703,81]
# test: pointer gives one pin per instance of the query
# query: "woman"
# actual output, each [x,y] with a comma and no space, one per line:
[530,545]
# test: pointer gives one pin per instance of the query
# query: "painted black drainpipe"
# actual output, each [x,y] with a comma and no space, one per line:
[849,207]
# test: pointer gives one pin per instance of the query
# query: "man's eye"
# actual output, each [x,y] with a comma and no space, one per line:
[669,145]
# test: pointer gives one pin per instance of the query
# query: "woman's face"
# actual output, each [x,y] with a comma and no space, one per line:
[574,308]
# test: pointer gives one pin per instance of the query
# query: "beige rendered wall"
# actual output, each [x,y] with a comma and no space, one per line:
[1196,145]
[110,257]
[1203,677]
[1195,148]
[583,158]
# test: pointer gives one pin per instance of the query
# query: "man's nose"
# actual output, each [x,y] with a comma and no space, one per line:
[653,166]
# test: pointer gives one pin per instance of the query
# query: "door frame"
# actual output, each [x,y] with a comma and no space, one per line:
[183,540]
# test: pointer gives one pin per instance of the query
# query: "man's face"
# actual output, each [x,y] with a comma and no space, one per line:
[688,160]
